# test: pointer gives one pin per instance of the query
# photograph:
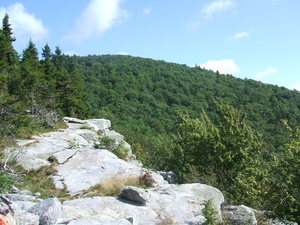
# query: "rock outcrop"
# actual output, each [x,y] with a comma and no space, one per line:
[81,166]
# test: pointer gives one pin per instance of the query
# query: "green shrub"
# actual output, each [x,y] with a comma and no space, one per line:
[209,213]
[6,181]
[120,151]
[87,127]
[110,144]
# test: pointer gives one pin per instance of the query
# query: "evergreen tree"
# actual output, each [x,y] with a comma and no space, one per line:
[70,93]
[8,56]
[48,69]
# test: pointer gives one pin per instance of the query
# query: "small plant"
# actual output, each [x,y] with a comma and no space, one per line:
[105,143]
[146,179]
[41,181]
[110,144]
[210,213]
[87,127]
[6,181]
[73,145]
[120,151]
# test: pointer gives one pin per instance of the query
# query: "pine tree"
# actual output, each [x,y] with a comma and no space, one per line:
[48,69]
[71,100]
[8,56]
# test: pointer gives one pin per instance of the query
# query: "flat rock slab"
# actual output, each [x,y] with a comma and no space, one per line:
[89,167]
[165,204]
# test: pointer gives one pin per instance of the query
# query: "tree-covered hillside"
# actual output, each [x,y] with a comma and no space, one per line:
[145,95]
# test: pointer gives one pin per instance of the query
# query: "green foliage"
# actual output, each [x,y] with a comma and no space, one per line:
[105,142]
[110,144]
[40,181]
[120,151]
[285,193]
[87,127]
[6,181]
[210,213]
[225,155]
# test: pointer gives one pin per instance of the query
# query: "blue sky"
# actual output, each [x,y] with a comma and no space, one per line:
[255,39]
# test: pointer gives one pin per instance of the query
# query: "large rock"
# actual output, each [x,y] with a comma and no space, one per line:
[239,215]
[89,167]
[81,166]
[48,211]
[165,204]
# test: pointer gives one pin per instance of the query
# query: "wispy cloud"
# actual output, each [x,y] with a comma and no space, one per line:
[209,11]
[240,35]
[227,66]
[296,86]
[147,11]
[98,17]
[123,53]
[265,73]
[217,6]
[25,25]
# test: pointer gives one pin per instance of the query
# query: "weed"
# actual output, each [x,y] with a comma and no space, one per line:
[209,213]
[6,181]
[87,127]
[73,144]
[112,185]
[41,181]
[110,144]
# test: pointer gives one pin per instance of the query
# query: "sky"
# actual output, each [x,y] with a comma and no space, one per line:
[253,39]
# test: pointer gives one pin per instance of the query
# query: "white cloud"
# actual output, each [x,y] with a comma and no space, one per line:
[265,73]
[227,66]
[147,11]
[217,6]
[296,86]
[24,24]
[209,11]
[123,53]
[98,17]
[241,35]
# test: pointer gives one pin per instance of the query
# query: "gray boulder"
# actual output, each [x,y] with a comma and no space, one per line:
[239,215]
[135,194]
[48,211]
[170,177]
[164,204]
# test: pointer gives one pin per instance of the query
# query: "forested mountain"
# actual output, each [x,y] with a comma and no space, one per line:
[239,135]
[147,93]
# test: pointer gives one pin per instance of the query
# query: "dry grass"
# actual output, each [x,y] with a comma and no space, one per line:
[113,184]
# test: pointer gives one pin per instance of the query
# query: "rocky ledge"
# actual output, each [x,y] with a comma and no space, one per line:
[82,166]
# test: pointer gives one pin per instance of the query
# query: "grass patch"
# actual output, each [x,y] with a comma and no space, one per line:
[86,127]
[41,181]
[27,132]
[112,185]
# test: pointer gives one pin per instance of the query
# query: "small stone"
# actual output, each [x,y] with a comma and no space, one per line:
[135,194]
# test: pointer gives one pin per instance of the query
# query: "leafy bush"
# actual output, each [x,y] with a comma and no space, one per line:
[110,144]
[120,151]
[6,181]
